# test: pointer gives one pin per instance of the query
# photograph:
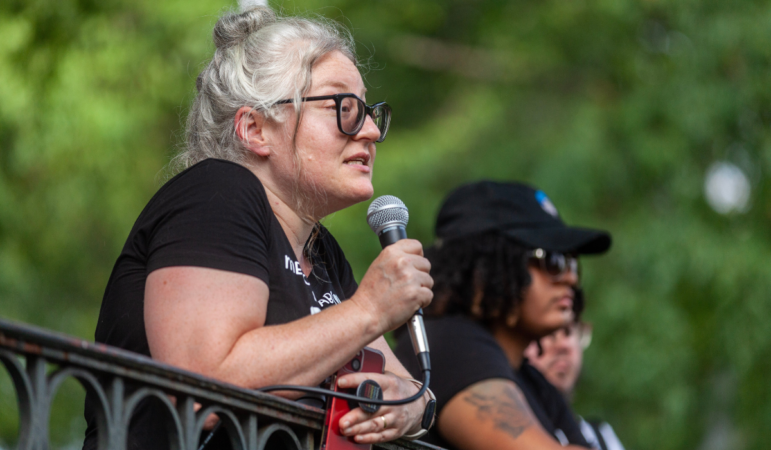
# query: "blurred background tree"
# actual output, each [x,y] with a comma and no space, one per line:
[648,118]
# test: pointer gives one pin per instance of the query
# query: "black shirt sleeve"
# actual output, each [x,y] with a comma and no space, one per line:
[548,404]
[462,353]
[215,216]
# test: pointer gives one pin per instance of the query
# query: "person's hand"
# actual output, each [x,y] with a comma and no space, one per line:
[211,419]
[396,284]
[389,422]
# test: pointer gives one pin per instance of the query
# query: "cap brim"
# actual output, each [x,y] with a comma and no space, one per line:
[583,241]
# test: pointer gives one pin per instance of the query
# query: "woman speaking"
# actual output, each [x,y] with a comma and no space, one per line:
[227,271]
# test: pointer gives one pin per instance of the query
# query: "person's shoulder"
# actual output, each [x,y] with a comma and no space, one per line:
[217,171]
[458,326]
[459,344]
[216,181]
[532,376]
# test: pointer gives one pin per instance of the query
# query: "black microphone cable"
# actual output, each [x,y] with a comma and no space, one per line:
[352,397]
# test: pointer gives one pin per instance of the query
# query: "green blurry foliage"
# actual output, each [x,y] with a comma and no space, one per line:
[615,108]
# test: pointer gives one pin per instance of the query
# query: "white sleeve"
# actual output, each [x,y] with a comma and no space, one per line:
[611,440]
[588,431]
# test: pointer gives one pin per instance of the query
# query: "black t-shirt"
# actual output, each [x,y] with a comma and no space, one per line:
[215,215]
[464,353]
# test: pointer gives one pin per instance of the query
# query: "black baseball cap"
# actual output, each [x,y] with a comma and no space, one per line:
[518,211]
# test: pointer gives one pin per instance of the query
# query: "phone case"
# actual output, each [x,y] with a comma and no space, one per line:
[367,360]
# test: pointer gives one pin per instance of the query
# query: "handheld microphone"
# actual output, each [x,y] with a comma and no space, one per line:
[388,217]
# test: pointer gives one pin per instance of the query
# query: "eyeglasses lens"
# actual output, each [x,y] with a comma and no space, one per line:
[352,114]
[381,115]
[556,264]
[582,331]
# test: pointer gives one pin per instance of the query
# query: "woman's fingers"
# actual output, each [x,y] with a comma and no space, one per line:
[389,422]
[357,416]
[372,438]
[351,380]
[376,423]
[379,431]
[397,283]
[411,246]
[354,422]
[421,263]
[210,421]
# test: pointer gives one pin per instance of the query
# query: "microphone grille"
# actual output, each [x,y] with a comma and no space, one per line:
[387,210]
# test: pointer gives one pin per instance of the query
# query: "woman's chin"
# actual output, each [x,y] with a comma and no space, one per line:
[558,321]
[362,192]
[351,196]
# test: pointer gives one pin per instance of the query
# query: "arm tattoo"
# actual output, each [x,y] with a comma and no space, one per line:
[500,403]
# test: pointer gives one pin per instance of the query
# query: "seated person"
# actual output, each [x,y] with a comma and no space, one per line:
[227,271]
[505,273]
[559,357]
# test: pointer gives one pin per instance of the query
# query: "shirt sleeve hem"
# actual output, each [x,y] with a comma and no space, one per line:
[211,262]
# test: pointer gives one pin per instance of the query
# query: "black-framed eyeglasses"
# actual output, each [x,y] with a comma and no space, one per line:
[352,112]
[554,263]
[580,331]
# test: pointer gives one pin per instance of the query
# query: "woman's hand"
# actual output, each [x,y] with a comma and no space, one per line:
[396,285]
[389,422]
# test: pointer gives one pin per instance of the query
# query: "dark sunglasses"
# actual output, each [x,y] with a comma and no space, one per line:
[553,263]
[352,112]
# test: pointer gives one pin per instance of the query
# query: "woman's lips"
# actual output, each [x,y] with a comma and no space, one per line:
[358,165]
[565,303]
[359,162]
[560,365]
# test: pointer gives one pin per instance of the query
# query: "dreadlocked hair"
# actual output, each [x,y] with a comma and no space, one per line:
[482,277]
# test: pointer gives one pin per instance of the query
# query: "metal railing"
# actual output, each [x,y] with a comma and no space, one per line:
[39,361]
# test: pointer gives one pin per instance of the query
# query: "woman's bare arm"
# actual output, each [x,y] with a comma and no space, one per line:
[212,321]
[493,415]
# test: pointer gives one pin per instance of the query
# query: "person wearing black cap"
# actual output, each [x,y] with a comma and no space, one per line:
[505,272]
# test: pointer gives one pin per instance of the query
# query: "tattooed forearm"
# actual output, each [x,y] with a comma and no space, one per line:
[500,403]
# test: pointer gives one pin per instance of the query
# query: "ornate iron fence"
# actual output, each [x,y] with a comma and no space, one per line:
[253,420]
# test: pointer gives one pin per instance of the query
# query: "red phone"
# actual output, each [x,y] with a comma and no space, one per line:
[367,360]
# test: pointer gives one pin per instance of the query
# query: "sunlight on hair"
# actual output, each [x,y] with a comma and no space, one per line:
[245,5]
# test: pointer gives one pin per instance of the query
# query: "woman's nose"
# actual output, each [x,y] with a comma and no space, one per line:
[369,130]
[569,277]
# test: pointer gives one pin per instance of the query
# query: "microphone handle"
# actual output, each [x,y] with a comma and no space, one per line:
[392,234]
[419,340]
[415,326]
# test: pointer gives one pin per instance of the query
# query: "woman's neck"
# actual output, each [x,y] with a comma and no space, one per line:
[296,228]
[512,343]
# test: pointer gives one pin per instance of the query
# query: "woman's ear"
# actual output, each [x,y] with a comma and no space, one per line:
[250,129]
[512,318]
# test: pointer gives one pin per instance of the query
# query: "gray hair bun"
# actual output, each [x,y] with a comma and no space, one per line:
[232,29]
[246,5]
